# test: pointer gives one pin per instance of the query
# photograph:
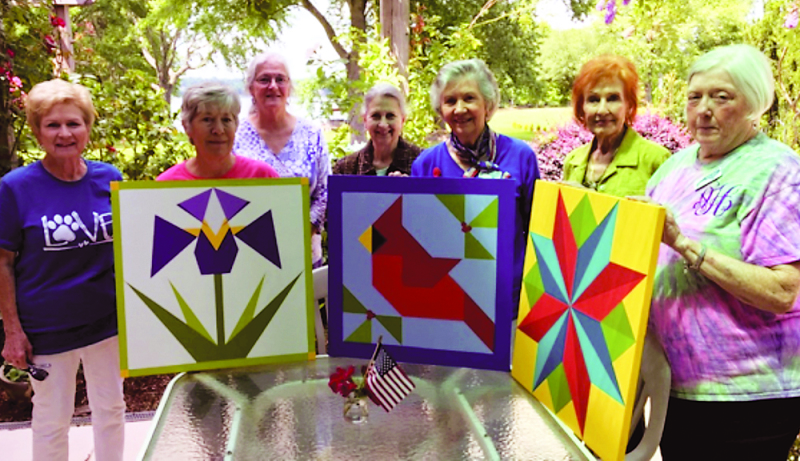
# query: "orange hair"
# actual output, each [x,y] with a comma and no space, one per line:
[603,68]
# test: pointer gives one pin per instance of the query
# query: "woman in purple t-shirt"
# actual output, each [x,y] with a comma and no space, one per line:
[57,292]
[210,116]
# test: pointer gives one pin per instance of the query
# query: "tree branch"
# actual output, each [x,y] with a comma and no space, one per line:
[343,53]
[784,92]
[147,55]
[484,9]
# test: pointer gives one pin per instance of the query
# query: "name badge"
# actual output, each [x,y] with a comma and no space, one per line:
[708,179]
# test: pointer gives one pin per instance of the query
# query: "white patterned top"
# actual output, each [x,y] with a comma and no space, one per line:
[305,155]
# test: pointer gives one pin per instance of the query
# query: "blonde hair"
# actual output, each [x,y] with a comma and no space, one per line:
[46,95]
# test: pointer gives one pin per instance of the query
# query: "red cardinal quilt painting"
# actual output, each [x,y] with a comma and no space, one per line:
[424,263]
[587,283]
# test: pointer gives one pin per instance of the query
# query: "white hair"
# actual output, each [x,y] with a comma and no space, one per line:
[749,70]
[474,69]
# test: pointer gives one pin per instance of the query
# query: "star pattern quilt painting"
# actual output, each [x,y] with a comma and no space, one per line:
[587,284]
[212,274]
[424,263]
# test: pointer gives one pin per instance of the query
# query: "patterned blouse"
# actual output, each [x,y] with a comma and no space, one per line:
[305,155]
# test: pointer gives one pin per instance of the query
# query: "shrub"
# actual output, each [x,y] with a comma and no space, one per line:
[552,146]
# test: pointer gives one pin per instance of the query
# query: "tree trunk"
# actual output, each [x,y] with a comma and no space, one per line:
[8,158]
[358,20]
[395,16]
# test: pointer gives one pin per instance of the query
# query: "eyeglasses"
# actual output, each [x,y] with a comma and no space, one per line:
[279,80]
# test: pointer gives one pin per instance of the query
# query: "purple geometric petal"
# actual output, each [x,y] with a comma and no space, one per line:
[211,261]
[231,204]
[196,206]
[260,236]
[168,241]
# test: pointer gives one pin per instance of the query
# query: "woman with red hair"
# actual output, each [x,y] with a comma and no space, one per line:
[618,161]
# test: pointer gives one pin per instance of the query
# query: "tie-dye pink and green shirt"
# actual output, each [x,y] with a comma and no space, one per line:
[747,206]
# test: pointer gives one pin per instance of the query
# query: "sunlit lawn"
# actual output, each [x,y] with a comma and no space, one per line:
[525,123]
[519,123]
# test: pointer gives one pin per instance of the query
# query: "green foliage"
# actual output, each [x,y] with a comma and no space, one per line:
[782,46]
[661,38]
[329,90]
[167,38]
[13,374]
[134,130]
[506,36]
[25,60]
[136,119]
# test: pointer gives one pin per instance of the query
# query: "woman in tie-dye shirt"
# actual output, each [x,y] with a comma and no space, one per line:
[724,304]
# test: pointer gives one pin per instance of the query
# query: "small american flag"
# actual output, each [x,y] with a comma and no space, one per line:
[387,384]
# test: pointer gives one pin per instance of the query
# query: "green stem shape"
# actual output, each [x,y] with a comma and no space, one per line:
[220,310]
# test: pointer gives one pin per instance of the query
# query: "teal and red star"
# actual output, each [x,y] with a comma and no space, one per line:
[576,316]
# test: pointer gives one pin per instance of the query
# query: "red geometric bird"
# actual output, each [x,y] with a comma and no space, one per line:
[415,283]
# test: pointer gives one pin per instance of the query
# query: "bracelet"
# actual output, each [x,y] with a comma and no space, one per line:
[700,258]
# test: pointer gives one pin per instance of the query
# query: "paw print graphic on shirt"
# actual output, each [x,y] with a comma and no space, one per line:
[63,227]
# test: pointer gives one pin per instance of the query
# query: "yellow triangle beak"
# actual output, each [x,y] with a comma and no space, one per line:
[366,239]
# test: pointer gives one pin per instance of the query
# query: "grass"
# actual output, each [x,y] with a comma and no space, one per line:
[525,123]
[517,123]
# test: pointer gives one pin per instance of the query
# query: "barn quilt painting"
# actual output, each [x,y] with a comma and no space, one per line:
[426,264]
[212,274]
[587,283]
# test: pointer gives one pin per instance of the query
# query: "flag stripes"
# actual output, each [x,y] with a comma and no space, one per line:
[387,384]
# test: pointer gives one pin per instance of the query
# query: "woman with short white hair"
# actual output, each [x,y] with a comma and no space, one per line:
[386,153]
[725,295]
[291,145]
[210,116]
[465,95]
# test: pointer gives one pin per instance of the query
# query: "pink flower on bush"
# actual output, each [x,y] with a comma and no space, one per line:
[553,145]
[611,11]
[792,17]
[10,53]
[16,82]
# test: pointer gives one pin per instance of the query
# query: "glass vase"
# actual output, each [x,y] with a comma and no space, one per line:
[355,409]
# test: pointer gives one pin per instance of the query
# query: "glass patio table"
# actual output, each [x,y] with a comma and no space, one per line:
[287,412]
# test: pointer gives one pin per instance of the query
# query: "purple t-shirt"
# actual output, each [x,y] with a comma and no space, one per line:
[745,206]
[242,169]
[64,270]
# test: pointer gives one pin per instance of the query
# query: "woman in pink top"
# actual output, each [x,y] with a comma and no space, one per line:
[210,116]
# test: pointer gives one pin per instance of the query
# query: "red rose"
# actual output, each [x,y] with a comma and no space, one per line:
[341,381]
[55,21]
[10,53]
[111,148]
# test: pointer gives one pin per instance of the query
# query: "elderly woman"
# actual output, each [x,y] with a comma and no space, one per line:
[618,161]
[387,153]
[57,274]
[210,115]
[293,146]
[465,95]
[724,303]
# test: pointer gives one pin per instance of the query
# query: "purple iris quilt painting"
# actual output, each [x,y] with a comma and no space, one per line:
[212,274]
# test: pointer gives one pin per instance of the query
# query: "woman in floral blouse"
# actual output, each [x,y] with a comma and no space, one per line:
[293,146]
